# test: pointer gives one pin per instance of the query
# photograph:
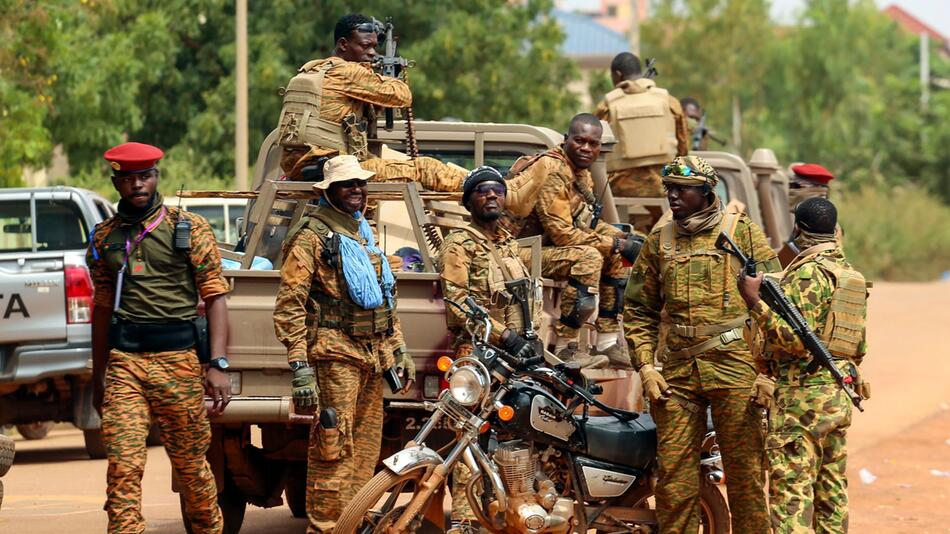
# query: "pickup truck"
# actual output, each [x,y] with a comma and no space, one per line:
[258,449]
[46,309]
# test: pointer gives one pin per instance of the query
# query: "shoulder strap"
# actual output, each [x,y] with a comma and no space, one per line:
[481,238]
[615,94]
[807,254]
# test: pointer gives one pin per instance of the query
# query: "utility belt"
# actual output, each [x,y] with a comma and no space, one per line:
[723,334]
[129,336]
[353,320]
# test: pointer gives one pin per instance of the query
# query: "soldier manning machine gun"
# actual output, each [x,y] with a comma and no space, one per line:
[393,66]
[776,299]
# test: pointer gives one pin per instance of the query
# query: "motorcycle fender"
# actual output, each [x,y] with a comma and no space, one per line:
[412,458]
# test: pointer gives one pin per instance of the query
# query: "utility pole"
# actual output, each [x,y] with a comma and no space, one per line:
[633,34]
[240,99]
[924,71]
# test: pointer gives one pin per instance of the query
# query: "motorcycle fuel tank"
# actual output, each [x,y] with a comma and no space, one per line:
[539,416]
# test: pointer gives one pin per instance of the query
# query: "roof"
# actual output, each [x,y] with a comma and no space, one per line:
[585,37]
[912,24]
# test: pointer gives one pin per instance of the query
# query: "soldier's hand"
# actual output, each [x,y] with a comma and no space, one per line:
[305,390]
[406,368]
[763,392]
[218,387]
[630,248]
[749,288]
[516,345]
[654,386]
[98,393]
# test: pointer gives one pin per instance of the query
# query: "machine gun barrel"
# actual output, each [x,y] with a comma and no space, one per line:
[776,299]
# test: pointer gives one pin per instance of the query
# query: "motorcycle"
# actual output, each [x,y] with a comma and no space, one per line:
[538,461]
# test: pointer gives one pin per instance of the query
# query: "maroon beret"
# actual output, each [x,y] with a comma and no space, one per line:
[813,172]
[133,157]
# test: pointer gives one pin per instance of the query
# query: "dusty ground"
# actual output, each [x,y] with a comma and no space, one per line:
[903,435]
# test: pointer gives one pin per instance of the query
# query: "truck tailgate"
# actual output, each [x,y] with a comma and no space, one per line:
[32,299]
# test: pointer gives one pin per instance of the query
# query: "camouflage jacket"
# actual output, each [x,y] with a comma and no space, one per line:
[809,287]
[305,270]
[160,284]
[698,289]
[466,267]
[349,85]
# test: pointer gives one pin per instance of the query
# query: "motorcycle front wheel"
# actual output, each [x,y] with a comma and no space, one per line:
[715,511]
[362,515]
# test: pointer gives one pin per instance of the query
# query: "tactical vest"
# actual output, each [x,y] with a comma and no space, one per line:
[300,123]
[644,125]
[343,314]
[503,307]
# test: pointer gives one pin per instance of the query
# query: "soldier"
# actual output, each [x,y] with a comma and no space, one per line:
[650,128]
[562,212]
[682,276]
[336,314]
[477,262]
[146,341]
[811,415]
[808,181]
[331,110]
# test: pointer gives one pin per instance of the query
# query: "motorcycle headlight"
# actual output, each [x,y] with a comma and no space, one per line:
[466,385]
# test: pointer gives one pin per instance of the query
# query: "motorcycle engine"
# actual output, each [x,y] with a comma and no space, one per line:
[534,505]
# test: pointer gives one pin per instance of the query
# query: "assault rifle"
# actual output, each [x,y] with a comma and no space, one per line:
[776,299]
[650,72]
[389,64]
[702,131]
[521,290]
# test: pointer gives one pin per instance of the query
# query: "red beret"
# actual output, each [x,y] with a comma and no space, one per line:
[813,172]
[133,157]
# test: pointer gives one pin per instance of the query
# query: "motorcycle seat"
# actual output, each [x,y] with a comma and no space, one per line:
[630,443]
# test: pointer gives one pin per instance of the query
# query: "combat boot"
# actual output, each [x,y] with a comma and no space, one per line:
[616,356]
[571,353]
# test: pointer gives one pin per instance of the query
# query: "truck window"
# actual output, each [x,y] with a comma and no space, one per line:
[501,161]
[60,225]
[234,213]
[215,216]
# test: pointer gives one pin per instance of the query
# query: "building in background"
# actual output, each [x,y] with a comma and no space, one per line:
[592,45]
[912,24]
[617,14]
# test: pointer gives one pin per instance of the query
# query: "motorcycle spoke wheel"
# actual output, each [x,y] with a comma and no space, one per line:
[363,516]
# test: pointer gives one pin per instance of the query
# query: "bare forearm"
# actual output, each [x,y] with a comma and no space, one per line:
[217,310]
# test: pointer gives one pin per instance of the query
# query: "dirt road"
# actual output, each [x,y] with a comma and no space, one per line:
[901,437]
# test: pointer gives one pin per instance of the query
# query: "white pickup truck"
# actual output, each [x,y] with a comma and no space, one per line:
[46,309]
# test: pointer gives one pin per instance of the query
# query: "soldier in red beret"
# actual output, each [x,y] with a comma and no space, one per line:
[808,180]
[150,264]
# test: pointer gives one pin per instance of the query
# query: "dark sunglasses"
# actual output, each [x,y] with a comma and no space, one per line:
[485,187]
[350,184]
[681,170]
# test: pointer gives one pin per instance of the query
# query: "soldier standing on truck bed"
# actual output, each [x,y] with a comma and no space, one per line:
[481,261]
[336,314]
[331,103]
[810,413]
[578,248]
[150,264]
[650,129]
[680,274]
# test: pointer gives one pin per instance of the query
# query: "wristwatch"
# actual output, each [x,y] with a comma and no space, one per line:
[220,363]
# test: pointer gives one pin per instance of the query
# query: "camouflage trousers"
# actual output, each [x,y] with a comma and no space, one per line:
[681,426]
[643,182]
[807,456]
[341,461]
[168,386]
[586,265]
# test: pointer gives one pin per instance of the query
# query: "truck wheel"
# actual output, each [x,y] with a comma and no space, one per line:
[296,489]
[7,450]
[233,504]
[95,447]
[35,430]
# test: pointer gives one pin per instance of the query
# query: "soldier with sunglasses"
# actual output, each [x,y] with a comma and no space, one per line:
[682,276]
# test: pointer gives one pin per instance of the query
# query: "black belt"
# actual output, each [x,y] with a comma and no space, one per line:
[127,336]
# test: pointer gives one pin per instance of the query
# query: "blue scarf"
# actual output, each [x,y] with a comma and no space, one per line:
[358,269]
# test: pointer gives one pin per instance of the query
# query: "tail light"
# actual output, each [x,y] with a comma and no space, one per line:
[78,295]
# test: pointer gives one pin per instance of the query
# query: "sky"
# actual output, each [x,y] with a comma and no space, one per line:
[936,13]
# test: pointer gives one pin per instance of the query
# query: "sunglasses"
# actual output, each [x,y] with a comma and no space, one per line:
[681,170]
[350,184]
[485,187]
[371,27]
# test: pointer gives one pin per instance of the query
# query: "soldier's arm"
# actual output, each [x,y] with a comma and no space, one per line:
[456,262]
[103,281]
[682,127]
[554,212]
[206,259]
[808,289]
[641,316]
[602,111]
[365,85]
[290,309]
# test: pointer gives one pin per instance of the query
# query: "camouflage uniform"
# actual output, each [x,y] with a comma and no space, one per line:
[349,87]
[348,367]
[160,285]
[806,442]
[562,216]
[698,293]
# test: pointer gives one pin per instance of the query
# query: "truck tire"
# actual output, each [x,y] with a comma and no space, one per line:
[33,431]
[7,451]
[95,447]
[233,504]
[296,489]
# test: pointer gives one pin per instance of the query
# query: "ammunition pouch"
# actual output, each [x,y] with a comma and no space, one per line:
[355,321]
[584,305]
[355,137]
[128,336]
[619,285]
